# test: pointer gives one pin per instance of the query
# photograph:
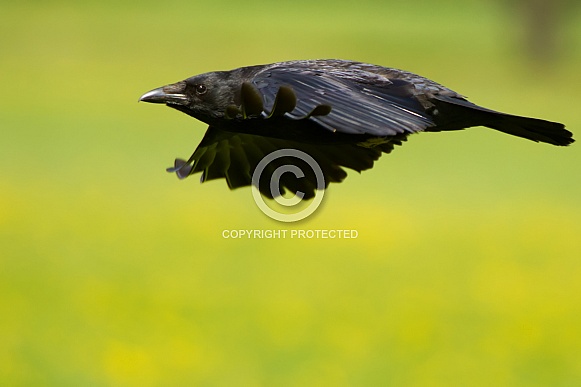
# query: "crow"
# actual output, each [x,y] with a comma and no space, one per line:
[344,114]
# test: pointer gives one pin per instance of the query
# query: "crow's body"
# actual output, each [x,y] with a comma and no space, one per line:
[342,113]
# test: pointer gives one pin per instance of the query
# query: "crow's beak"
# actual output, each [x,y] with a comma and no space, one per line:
[170,94]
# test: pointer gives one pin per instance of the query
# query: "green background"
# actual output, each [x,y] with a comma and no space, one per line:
[466,270]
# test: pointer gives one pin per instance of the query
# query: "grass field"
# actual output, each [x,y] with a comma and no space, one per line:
[467,266]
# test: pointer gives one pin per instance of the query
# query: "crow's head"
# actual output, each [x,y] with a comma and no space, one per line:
[204,96]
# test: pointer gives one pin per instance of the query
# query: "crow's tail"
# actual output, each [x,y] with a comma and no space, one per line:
[532,128]
[468,114]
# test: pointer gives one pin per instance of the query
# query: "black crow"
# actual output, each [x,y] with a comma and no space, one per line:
[342,113]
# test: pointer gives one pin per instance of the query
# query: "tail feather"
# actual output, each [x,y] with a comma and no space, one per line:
[532,129]
[468,114]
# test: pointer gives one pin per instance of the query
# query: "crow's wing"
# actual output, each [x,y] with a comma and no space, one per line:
[361,102]
[234,156]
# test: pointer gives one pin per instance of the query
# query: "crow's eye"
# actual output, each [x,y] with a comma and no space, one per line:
[201,89]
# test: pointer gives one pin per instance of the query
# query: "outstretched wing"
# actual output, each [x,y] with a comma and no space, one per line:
[234,156]
[360,102]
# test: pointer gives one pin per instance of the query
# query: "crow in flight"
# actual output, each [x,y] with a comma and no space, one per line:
[341,113]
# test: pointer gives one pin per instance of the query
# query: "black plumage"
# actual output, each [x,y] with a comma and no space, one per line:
[342,113]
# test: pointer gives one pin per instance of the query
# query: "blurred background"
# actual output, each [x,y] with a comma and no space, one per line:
[466,270]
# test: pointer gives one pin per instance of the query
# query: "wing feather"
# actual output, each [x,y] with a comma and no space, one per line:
[387,108]
[234,156]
